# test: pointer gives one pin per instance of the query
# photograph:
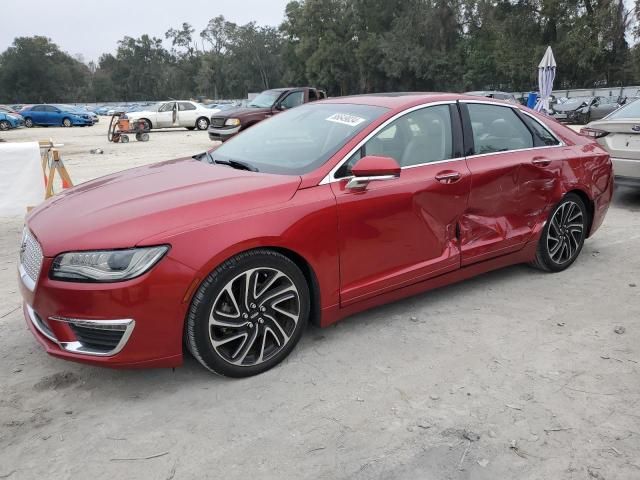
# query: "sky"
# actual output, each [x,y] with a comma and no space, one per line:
[93,27]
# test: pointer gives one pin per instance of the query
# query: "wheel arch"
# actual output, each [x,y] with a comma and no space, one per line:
[584,196]
[299,260]
[146,120]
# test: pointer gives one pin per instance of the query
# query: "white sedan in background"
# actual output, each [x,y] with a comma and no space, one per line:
[174,113]
[619,134]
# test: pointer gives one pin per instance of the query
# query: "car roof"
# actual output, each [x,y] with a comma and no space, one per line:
[401,100]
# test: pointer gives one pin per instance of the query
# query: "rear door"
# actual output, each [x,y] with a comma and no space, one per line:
[513,176]
[187,114]
[38,115]
[398,232]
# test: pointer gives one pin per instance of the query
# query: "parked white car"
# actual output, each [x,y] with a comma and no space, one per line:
[174,113]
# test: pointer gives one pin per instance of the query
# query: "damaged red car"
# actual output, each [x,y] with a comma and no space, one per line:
[320,212]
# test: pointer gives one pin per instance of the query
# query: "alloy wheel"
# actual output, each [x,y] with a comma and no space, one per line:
[254,316]
[565,233]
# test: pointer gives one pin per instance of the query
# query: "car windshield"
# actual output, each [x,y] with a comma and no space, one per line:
[265,99]
[577,101]
[299,140]
[631,110]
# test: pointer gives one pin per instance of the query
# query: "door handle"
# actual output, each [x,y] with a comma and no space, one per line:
[541,161]
[448,176]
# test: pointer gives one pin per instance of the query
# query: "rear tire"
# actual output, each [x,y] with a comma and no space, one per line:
[563,235]
[248,314]
[147,124]
[202,123]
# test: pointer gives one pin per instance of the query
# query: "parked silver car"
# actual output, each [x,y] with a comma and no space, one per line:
[584,109]
[174,113]
[619,134]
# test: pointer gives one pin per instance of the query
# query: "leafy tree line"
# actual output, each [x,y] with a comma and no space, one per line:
[346,46]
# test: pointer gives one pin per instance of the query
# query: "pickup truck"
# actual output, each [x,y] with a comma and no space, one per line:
[226,124]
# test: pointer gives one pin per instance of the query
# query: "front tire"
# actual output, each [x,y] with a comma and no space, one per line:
[28,122]
[4,125]
[563,236]
[147,124]
[66,122]
[248,314]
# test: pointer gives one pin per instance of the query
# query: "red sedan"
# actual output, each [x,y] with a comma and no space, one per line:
[320,212]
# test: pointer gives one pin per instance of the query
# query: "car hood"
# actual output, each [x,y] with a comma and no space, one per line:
[123,209]
[567,108]
[241,112]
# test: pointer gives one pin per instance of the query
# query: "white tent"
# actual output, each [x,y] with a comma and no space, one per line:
[546,76]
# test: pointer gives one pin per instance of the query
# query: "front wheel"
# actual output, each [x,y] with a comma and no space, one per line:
[28,122]
[248,314]
[563,236]
[4,125]
[66,122]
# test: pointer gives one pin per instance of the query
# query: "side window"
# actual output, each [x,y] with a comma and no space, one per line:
[497,129]
[51,109]
[38,108]
[541,134]
[419,137]
[182,106]
[167,107]
[293,100]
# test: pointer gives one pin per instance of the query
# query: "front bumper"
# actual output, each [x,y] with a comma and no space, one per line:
[222,134]
[136,323]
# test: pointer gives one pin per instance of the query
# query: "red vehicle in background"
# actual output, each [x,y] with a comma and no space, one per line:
[320,212]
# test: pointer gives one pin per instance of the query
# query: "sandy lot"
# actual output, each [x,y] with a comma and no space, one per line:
[512,375]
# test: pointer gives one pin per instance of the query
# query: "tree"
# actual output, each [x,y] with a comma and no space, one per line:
[34,69]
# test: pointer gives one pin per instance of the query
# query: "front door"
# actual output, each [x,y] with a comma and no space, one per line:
[165,115]
[514,169]
[398,232]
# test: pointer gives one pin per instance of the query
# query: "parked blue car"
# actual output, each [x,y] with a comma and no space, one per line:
[10,120]
[57,115]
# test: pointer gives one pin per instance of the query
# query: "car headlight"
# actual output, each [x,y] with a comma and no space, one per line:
[232,122]
[106,265]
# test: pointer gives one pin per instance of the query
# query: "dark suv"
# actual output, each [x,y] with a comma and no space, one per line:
[225,125]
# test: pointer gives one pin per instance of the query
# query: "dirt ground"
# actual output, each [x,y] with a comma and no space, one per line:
[512,375]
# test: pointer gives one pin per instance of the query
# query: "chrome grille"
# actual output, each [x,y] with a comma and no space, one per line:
[30,256]
[217,122]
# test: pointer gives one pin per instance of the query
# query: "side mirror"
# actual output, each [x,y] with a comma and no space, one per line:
[373,168]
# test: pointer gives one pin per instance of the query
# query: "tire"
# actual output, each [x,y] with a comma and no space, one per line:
[4,125]
[147,124]
[66,122]
[124,138]
[254,334]
[585,118]
[28,122]
[563,236]
[202,123]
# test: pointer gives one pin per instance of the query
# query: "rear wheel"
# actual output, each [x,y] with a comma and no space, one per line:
[248,314]
[563,236]
[4,125]
[202,123]
[146,123]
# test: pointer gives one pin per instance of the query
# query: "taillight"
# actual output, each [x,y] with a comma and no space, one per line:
[593,132]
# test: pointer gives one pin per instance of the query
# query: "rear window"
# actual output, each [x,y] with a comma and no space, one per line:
[632,110]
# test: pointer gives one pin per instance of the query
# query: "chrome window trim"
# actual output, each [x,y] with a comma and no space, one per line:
[330,177]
